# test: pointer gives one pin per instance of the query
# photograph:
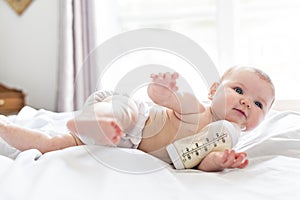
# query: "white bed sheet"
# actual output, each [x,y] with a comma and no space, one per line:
[95,172]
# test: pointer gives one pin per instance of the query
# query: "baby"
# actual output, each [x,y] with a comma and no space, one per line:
[243,95]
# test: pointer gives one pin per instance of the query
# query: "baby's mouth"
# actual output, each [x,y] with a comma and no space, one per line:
[241,112]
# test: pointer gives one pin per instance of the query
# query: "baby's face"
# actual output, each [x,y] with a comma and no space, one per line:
[243,97]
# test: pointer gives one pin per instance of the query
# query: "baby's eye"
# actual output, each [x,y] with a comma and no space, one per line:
[258,104]
[238,90]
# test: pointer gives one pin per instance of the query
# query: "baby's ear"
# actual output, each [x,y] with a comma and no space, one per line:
[212,90]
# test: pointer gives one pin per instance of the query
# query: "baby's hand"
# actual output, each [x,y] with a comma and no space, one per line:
[218,161]
[162,87]
[165,80]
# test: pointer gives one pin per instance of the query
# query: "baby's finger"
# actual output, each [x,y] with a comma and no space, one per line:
[175,75]
[239,159]
[230,159]
[244,154]
[153,76]
[244,164]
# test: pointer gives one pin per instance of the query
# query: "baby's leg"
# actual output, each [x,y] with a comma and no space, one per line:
[103,123]
[105,131]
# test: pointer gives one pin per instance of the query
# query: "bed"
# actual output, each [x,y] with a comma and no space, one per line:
[95,172]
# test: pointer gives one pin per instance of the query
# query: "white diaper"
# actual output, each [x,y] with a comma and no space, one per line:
[133,137]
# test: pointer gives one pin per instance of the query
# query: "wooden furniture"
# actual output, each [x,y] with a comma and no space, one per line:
[11,100]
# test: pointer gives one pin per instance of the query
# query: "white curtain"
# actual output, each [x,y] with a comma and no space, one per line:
[77,40]
[84,24]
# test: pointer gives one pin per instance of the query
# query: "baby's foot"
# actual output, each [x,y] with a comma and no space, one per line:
[112,133]
[104,131]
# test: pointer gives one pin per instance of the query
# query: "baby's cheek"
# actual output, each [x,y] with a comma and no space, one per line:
[256,120]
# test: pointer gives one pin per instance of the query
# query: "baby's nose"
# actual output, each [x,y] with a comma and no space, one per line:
[245,102]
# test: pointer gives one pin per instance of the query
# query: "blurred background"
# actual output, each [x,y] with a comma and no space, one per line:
[43,48]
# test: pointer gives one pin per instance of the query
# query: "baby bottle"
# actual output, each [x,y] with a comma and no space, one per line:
[188,152]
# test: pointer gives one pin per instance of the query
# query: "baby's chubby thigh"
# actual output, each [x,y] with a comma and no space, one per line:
[119,107]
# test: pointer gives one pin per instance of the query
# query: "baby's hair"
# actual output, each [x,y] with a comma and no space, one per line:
[259,72]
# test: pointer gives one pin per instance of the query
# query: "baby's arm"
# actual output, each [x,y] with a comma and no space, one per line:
[218,161]
[164,91]
[23,139]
